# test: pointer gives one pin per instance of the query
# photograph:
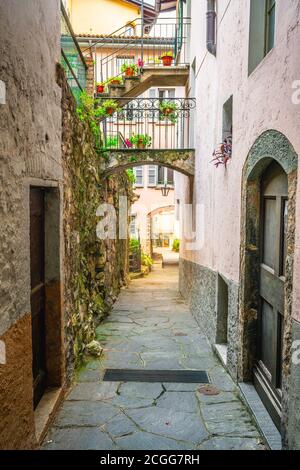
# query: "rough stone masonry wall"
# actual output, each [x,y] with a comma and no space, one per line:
[94,270]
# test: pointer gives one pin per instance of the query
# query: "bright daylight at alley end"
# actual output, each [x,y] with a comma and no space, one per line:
[150,231]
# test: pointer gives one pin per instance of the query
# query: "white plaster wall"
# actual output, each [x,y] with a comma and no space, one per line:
[260,102]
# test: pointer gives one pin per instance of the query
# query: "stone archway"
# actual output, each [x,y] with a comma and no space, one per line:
[270,146]
[182,161]
[151,214]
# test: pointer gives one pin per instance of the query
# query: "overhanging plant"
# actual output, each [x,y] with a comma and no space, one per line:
[129,69]
[223,152]
[168,111]
[141,141]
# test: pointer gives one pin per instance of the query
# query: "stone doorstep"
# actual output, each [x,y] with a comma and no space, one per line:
[254,404]
[260,415]
[46,411]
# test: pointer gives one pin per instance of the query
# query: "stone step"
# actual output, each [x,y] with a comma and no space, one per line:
[116,91]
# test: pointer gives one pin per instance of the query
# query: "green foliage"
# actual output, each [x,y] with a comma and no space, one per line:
[107,108]
[132,67]
[115,79]
[141,140]
[131,176]
[167,54]
[176,245]
[111,142]
[168,111]
[87,112]
[134,244]
[146,260]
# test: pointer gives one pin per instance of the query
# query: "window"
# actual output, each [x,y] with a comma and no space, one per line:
[133,226]
[166,94]
[152,175]
[165,176]
[139,176]
[227,119]
[262,31]
[270,26]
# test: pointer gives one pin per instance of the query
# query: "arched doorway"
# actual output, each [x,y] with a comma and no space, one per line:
[266,270]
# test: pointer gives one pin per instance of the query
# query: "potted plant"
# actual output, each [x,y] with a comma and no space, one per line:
[168,110]
[108,107]
[130,70]
[141,141]
[223,153]
[167,58]
[100,87]
[115,81]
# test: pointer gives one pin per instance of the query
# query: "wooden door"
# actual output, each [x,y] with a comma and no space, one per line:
[274,210]
[37,271]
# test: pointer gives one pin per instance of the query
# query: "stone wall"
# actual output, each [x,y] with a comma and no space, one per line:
[94,269]
[199,286]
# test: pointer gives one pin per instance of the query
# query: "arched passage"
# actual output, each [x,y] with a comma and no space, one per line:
[272,156]
[182,161]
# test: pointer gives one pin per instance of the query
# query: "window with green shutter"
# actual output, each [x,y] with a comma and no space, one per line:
[262,31]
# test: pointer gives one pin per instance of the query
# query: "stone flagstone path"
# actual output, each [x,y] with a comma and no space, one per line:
[151,328]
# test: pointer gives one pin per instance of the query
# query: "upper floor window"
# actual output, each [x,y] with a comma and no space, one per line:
[262,30]
[160,175]
[139,176]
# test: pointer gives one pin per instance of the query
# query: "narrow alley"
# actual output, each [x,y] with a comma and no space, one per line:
[151,328]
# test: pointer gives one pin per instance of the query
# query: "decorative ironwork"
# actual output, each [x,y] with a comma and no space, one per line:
[147,123]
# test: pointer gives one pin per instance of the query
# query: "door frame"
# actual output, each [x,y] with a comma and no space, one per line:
[270,146]
[54,312]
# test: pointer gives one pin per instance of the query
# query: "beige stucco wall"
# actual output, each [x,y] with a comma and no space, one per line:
[101,16]
[260,102]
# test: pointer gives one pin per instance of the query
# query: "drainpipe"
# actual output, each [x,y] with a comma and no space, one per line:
[211,27]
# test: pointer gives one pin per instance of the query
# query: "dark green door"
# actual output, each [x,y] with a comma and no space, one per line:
[274,210]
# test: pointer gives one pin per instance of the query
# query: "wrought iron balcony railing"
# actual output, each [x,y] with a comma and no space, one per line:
[71,56]
[141,45]
[147,123]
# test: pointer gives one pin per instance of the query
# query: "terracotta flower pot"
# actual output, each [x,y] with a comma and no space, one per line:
[100,88]
[129,72]
[168,111]
[114,82]
[167,60]
[140,145]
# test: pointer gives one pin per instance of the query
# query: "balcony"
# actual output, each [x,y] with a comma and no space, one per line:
[148,131]
[72,58]
[146,123]
[142,45]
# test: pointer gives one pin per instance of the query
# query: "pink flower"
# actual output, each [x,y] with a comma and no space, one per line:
[140,63]
[128,143]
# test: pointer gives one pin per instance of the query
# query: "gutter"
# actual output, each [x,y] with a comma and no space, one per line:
[211,16]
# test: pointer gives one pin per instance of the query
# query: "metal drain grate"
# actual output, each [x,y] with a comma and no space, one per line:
[175,376]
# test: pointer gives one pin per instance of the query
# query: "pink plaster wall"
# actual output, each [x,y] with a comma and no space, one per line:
[260,102]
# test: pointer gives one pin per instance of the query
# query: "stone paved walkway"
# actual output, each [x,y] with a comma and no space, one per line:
[151,328]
